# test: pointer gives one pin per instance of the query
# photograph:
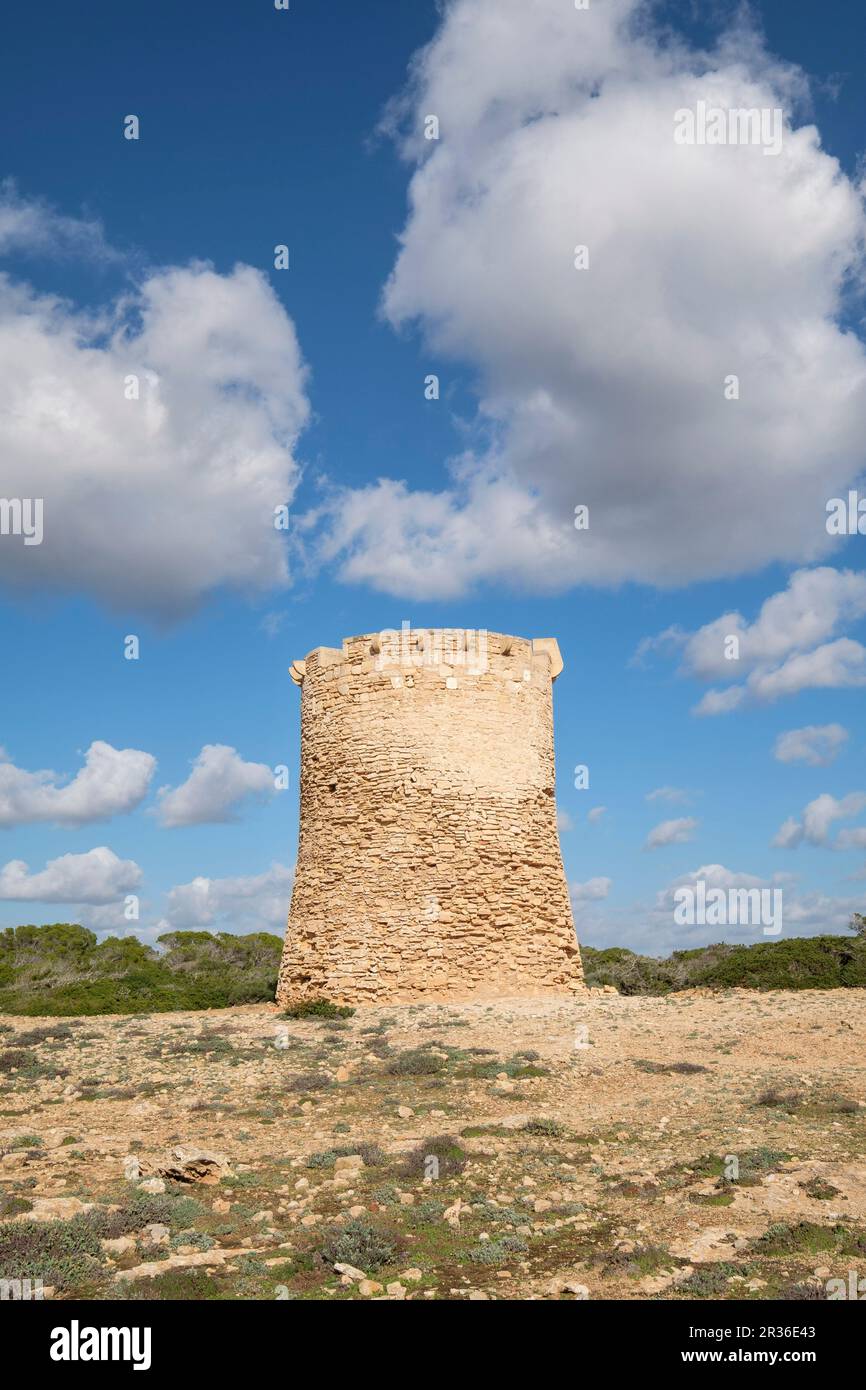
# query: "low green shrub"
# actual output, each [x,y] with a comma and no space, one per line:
[317,1008]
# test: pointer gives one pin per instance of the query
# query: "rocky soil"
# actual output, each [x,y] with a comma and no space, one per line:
[696,1146]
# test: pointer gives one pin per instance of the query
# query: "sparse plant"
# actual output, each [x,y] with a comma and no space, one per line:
[362,1244]
[819,1189]
[415,1062]
[308,1081]
[777,1099]
[450,1158]
[497,1252]
[549,1129]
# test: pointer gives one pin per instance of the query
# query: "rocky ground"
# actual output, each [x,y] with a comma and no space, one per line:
[695,1146]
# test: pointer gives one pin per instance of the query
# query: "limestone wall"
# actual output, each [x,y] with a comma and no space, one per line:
[428,864]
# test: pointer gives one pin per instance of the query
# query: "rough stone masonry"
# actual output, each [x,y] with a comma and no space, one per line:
[428,863]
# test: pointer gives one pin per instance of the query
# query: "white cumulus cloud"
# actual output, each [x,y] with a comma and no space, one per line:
[817,819]
[259,902]
[792,645]
[95,877]
[218,783]
[604,387]
[112,782]
[149,504]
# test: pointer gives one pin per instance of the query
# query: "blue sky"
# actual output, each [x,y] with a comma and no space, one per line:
[156,257]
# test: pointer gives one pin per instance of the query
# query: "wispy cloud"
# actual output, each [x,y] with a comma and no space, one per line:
[671,832]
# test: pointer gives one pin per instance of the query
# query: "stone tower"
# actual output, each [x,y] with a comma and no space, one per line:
[429,864]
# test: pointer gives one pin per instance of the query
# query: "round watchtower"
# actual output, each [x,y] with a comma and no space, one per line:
[428,863]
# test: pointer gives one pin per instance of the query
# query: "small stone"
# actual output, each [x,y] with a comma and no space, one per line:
[192,1164]
[369,1286]
[405,1112]
[119,1245]
[56,1208]
[157,1233]
[152,1185]
[452,1213]
[413,1275]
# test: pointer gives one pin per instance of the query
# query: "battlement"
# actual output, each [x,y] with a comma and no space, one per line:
[444,651]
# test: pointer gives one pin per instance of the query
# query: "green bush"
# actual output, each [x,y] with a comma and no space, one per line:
[450,1158]
[60,1253]
[415,1062]
[361,1244]
[496,1252]
[372,1154]
[801,962]
[61,969]
[318,1008]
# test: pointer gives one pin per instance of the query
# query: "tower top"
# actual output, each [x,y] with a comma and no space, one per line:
[471,651]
